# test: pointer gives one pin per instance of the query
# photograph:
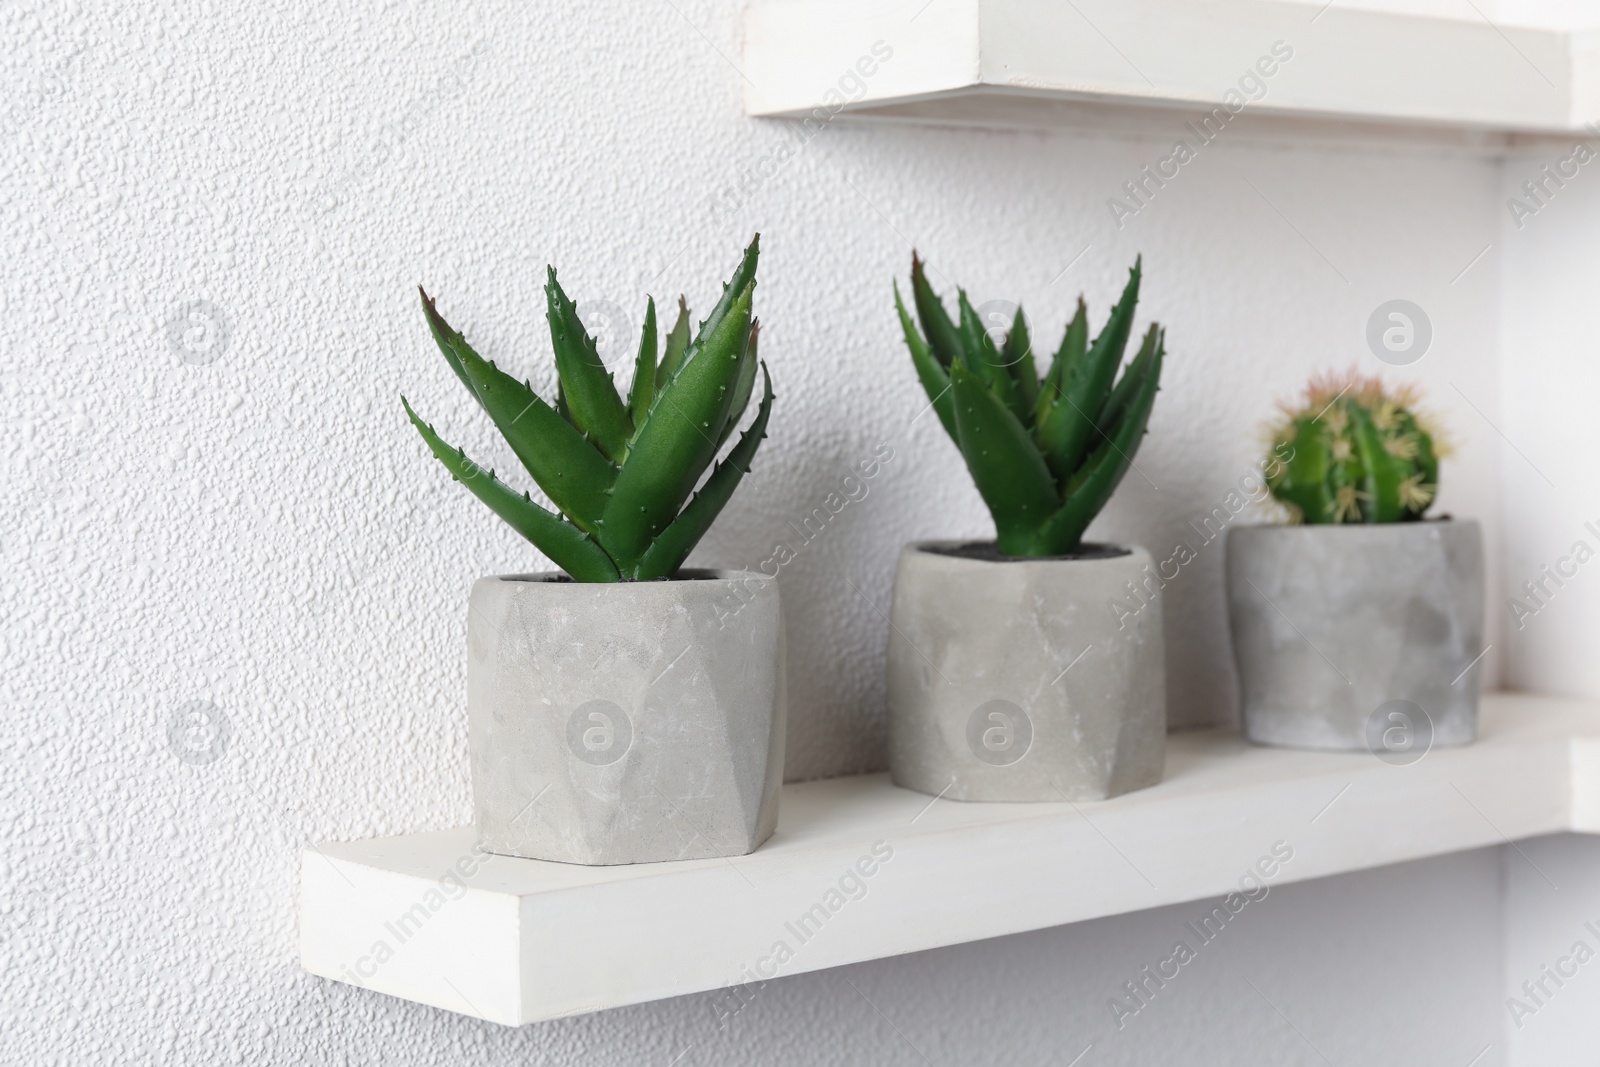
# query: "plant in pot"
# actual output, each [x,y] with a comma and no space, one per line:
[1009,675]
[1356,623]
[613,717]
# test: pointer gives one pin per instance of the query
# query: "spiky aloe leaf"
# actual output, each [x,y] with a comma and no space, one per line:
[1381,472]
[983,359]
[445,338]
[667,553]
[676,442]
[944,340]
[1118,400]
[931,373]
[743,386]
[575,476]
[591,395]
[677,345]
[743,275]
[1017,355]
[1098,478]
[1073,345]
[1066,434]
[567,546]
[1010,474]
[643,389]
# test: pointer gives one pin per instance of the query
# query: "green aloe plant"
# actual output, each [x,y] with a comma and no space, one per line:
[1359,453]
[1046,453]
[621,471]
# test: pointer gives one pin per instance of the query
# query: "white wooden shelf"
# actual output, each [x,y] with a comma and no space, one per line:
[518,941]
[1052,63]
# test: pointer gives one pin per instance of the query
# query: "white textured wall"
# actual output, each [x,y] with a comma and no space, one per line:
[1549,605]
[264,532]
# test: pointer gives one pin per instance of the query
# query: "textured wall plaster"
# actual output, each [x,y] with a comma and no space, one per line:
[1549,608]
[242,518]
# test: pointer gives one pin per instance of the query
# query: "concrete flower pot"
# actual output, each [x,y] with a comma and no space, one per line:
[1343,634]
[627,722]
[1020,680]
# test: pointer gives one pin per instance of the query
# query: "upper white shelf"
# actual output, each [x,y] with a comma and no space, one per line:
[859,869]
[1057,63]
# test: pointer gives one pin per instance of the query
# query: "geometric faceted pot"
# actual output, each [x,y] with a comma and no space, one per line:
[1358,636]
[1025,679]
[625,722]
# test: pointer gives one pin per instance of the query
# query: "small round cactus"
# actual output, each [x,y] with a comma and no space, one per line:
[1354,451]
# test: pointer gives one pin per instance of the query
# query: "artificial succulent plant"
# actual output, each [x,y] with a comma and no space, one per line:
[621,471]
[1045,452]
[1359,453]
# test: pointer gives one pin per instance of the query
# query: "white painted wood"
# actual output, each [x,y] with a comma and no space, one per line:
[516,940]
[1025,58]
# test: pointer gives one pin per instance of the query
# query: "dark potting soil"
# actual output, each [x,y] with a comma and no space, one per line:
[988,552]
[562,579]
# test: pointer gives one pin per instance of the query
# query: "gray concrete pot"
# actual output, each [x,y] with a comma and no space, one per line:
[627,722]
[1358,637]
[1016,679]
